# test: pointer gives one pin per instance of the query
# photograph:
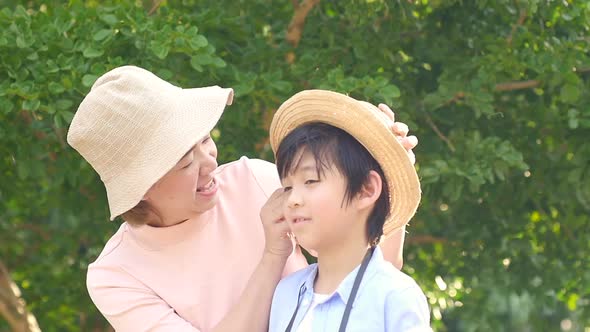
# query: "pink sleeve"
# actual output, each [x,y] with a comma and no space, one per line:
[130,306]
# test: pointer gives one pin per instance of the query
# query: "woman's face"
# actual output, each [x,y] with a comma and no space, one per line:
[189,188]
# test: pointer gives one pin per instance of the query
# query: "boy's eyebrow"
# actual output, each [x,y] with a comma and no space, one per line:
[306,168]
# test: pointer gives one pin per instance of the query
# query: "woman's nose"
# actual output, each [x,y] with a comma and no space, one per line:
[208,162]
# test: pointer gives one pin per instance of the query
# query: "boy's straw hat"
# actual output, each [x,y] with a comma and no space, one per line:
[369,126]
[133,127]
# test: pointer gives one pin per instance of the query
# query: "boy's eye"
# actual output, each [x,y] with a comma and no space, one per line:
[311,181]
[285,189]
[187,165]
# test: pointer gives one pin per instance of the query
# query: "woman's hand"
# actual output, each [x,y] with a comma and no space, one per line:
[276,229]
[400,130]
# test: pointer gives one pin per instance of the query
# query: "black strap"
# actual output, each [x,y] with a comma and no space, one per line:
[355,288]
[351,297]
[302,290]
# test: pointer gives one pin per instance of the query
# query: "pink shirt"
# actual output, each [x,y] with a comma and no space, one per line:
[188,276]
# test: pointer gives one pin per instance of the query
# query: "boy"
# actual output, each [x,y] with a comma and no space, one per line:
[347,184]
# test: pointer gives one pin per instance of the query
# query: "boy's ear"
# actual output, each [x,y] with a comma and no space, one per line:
[370,191]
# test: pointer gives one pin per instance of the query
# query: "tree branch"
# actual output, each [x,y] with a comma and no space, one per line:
[519,22]
[155,5]
[295,29]
[439,133]
[518,85]
[425,239]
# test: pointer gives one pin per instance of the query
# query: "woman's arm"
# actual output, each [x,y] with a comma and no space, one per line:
[130,306]
[393,248]
[252,310]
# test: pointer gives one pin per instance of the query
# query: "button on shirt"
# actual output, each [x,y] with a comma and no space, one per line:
[387,300]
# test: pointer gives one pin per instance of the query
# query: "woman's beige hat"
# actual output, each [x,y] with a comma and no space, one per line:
[372,128]
[133,127]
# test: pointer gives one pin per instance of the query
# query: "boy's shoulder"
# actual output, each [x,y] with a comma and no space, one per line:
[388,273]
[391,281]
[402,299]
[298,277]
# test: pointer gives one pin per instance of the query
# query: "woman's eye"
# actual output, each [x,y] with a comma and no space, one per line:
[187,165]
[206,139]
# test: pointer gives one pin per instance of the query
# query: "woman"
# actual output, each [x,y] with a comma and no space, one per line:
[191,255]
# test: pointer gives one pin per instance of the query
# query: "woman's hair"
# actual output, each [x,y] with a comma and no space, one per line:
[141,214]
[331,146]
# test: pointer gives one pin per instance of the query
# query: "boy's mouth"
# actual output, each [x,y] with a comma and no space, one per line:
[299,220]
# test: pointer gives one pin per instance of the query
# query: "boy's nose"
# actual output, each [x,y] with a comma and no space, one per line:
[294,199]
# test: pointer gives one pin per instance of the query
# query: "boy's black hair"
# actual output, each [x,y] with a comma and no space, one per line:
[333,146]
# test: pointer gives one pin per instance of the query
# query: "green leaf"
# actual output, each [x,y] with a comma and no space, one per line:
[109,19]
[570,93]
[89,79]
[196,66]
[165,74]
[282,86]
[67,116]
[64,104]
[20,42]
[203,59]
[31,104]
[159,49]
[92,53]
[55,88]
[33,56]
[243,89]
[102,34]
[219,63]
[57,121]
[572,301]
[198,42]
[6,106]
[389,93]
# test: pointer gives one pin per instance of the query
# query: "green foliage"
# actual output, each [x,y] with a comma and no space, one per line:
[499,241]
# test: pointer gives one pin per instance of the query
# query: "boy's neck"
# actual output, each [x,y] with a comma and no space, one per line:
[334,264]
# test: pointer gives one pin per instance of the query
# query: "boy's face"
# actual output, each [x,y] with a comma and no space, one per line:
[315,208]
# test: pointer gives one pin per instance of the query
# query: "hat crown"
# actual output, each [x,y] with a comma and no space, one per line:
[133,127]
[124,108]
[371,128]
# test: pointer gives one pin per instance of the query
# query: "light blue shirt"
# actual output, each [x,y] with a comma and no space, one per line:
[387,300]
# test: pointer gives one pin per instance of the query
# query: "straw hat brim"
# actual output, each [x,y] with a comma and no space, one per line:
[369,126]
[187,124]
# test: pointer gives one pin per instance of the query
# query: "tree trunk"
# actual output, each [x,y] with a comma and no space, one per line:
[12,306]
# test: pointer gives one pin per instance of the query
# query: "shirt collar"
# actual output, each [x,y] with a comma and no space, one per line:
[345,288]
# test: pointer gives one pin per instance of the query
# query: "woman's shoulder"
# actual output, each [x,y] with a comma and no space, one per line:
[262,172]
[247,163]
[112,246]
